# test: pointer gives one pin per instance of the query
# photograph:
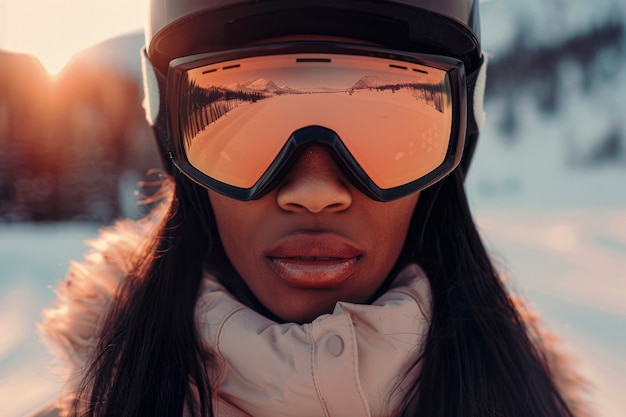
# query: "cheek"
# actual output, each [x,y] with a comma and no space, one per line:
[389,224]
[233,223]
[395,218]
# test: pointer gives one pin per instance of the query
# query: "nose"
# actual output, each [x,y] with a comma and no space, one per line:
[314,184]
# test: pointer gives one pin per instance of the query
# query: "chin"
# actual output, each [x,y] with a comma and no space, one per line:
[301,313]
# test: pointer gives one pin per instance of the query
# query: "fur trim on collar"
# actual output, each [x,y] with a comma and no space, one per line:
[71,327]
[562,365]
[84,297]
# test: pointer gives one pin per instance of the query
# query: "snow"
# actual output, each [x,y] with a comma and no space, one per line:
[570,263]
[538,165]
[33,259]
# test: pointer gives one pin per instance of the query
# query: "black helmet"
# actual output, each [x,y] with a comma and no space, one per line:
[178,28]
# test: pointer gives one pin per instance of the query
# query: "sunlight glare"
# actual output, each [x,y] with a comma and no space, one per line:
[55,30]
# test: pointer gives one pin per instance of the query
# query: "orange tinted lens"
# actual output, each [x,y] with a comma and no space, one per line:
[395,118]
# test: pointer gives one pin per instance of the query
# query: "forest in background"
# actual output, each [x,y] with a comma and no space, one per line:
[68,142]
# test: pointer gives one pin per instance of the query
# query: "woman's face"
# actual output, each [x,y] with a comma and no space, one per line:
[312,241]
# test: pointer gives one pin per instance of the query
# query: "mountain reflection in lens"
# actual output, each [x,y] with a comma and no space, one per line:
[394,119]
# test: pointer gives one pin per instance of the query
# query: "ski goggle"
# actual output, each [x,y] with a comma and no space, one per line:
[393,121]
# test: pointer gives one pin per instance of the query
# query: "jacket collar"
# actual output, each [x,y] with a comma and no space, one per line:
[344,363]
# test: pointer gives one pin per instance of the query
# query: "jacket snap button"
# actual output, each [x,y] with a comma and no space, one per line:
[335,345]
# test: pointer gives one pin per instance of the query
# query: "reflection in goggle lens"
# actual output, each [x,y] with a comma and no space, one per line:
[394,118]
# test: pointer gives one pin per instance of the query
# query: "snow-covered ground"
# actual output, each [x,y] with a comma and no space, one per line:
[570,263]
[33,259]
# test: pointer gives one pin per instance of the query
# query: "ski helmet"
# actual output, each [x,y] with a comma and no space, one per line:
[179,28]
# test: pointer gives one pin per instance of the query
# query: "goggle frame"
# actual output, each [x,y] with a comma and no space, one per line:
[318,135]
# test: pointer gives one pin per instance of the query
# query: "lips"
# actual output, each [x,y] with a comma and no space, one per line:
[314,260]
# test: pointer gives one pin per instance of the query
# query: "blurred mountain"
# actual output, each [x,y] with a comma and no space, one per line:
[260,85]
[371,81]
[121,54]
[68,140]
[594,53]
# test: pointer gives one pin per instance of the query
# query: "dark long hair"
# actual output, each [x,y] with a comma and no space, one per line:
[149,360]
[478,359]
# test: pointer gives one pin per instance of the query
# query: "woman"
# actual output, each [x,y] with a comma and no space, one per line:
[313,253]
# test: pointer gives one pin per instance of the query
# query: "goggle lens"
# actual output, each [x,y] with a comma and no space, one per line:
[394,118]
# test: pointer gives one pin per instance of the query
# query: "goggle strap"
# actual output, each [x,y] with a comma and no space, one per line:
[476,82]
[151,99]
[154,98]
[480,116]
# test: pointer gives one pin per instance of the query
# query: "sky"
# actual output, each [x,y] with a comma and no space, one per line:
[54,30]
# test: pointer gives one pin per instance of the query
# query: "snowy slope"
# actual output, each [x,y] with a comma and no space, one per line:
[33,259]
[570,263]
